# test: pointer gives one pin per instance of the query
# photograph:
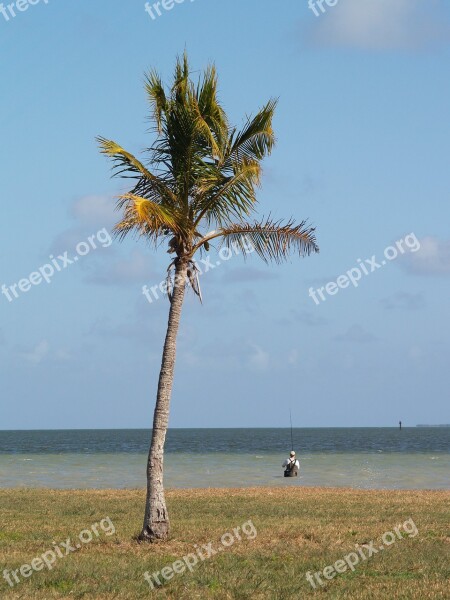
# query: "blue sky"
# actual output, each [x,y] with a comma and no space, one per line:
[363,149]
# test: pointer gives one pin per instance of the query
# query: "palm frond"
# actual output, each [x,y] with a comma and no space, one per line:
[210,108]
[122,159]
[221,199]
[272,240]
[148,184]
[181,79]
[257,138]
[157,98]
[144,217]
[193,278]
[205,130]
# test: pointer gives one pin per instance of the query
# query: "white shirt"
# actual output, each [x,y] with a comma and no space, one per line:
[288,461]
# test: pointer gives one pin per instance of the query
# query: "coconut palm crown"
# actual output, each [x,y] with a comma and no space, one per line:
[197,184]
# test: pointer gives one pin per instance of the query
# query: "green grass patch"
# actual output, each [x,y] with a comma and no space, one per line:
[298,530]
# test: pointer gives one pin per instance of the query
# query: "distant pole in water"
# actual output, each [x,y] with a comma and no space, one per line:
[400,425]
[292,440]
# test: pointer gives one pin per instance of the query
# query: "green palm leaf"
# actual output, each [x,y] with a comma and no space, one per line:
[203,173]
[272,240]
[146,218]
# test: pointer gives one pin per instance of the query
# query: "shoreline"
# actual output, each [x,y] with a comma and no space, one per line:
[223,490]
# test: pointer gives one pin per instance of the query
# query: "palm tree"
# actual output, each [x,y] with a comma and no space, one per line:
[198,184]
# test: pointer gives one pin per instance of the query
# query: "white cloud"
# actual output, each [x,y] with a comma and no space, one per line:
[89,214]
[37,354]
[382,24]
[135,269]
[63,355]
[259,359]
[433,258]
[95,210]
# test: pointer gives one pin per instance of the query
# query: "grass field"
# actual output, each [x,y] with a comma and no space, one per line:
[293,531]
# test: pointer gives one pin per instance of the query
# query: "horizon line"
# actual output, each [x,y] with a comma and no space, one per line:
[222,428]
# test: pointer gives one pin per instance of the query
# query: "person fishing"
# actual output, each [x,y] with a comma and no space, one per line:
[291,466]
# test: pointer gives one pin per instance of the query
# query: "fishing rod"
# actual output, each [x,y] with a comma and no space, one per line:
[292,440]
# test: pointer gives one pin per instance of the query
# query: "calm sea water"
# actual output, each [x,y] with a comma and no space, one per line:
[414,458]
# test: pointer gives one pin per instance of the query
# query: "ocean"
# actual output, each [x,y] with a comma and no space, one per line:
[363,458]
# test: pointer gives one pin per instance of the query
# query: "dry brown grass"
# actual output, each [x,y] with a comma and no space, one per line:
[299,530]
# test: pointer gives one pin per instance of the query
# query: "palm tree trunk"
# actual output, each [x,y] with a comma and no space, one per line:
[156,520]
